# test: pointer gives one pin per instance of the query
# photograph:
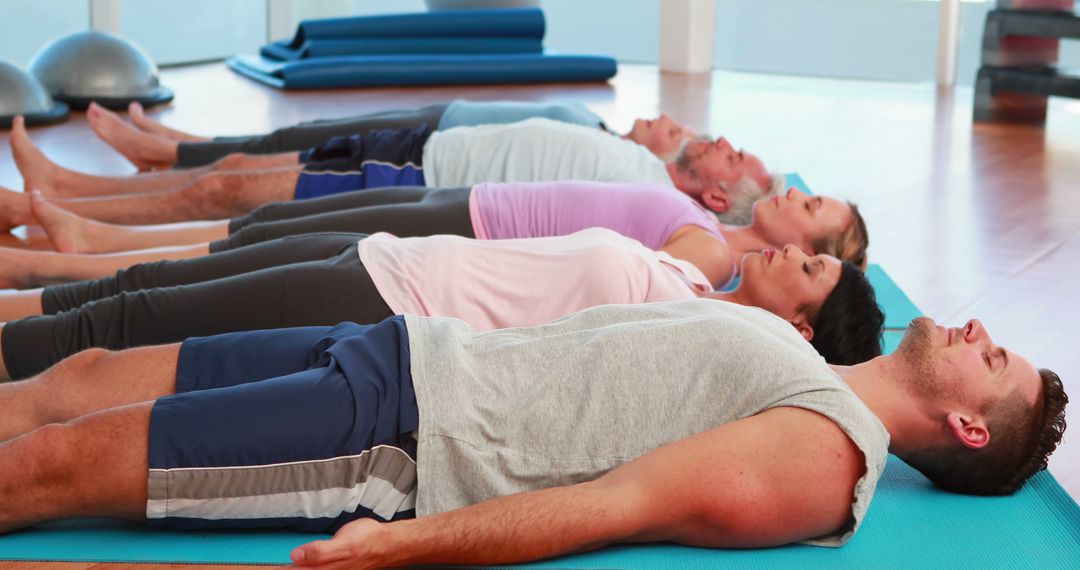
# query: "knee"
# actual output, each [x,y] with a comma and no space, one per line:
[74,367]
[85,359]
[208,192]
[231,161]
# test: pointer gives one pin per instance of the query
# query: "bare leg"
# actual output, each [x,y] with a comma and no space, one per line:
[216,196]
[14,209]
[70,233]
[145,150]
[87,382]
[144,123]
[40,173]
[94,466]
[20,269]
[20,304]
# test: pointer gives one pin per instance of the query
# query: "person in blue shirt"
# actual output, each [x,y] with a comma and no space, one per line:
[149,145]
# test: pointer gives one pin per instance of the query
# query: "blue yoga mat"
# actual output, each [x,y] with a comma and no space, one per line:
[910,525]
[283,50]
[899,310]
[792,179]
[375,71]
[501,23]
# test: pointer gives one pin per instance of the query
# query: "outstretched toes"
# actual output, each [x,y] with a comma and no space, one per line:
[138,116]
[147,151]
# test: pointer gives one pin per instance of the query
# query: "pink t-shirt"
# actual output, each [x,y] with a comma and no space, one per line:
[647,212]
[522,282]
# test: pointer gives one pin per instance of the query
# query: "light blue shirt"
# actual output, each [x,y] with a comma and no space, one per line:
[471,113]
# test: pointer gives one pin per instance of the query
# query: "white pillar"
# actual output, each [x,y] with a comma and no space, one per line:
[948,37]
[687,28]
[105,16]
[280,22]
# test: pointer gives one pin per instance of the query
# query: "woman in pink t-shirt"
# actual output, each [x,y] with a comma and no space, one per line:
[489,284]
[658,216]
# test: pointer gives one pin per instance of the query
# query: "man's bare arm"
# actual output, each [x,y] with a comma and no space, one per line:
[781,476]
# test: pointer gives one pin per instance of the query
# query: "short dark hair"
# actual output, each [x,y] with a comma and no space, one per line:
[847,328]
[1022,437]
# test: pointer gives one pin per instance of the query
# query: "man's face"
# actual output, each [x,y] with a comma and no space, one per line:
[798,218]
[963,365]
[663,136]
[783,281]
[717,162]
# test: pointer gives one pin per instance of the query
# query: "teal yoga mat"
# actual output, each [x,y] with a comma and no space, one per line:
[910,525]
[792,179]
[899,310]
[890,340]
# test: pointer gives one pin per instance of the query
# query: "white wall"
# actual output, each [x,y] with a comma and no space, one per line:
[28,25]
[893,40]
[194,30]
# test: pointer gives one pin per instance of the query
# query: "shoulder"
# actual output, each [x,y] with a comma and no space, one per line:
[805,475]
[780,476]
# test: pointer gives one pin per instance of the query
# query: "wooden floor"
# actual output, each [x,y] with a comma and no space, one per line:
[970,220]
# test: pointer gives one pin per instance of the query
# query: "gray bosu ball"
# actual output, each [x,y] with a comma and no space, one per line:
[97,67]
[22,94]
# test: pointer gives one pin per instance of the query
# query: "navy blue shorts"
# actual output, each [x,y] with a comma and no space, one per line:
[378,159]
[305,428]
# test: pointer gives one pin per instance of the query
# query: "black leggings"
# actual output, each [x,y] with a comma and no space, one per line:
[405,212]
[305,135]
[274,253]
[325,292]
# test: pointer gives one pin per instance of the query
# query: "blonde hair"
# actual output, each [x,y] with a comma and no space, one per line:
[850,244]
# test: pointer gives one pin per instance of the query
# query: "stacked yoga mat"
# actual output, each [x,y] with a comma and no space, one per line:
[910,524]
[428,48]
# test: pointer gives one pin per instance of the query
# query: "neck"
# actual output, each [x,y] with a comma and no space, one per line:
[911,424]
[729,296]
[743,240]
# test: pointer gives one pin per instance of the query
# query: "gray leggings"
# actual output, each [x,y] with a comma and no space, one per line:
[329,290]
[305,135]
[405,212]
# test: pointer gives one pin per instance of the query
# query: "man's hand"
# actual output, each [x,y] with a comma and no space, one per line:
[352,547]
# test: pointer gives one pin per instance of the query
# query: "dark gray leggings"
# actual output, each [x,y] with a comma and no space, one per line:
[405,212]
[274,253]
[324,292]
[305,135]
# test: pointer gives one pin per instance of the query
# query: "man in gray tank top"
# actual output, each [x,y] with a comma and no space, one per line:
[698,422]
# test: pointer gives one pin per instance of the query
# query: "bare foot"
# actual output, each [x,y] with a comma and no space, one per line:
[146,124]
[145,150]
[68,232]
[14,209]
[36,168]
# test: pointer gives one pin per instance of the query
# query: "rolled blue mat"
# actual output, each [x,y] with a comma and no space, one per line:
[379,71]
[404,46]
[509,23]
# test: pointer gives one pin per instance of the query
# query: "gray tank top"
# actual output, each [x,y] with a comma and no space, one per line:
[521,409]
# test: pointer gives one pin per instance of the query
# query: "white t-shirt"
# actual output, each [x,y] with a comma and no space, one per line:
[536,150]
[522,282]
